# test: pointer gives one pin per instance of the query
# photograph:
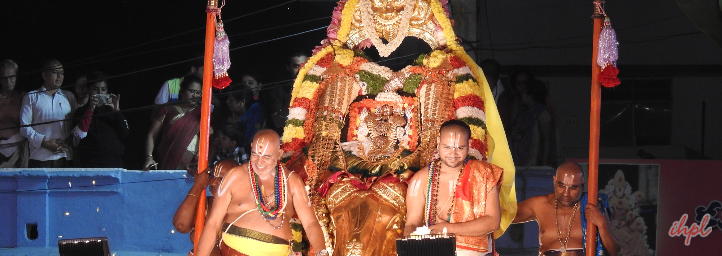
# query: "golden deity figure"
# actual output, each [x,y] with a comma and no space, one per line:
[359,130]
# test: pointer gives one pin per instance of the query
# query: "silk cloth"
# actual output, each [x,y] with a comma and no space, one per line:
[247,242]
[476,181]
[603,203]
[180,136]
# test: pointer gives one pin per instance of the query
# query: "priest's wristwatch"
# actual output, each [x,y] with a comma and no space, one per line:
[323,252]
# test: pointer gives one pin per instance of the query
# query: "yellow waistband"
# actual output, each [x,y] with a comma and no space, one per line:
[253,247]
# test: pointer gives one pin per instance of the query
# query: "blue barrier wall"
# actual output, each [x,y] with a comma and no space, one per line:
[134,209]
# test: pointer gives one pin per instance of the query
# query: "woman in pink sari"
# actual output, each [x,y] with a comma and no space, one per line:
[180,124]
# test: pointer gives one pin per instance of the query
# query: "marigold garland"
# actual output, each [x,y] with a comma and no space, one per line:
[304,103]
[344,57]
[469,100]
[348,10]
[326,61]
[292,132]
[435,59]
[465,88]
[477,132]
[456,62]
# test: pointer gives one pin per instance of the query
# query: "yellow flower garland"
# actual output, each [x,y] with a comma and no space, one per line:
[348,9]
[467,87]
[477,132]
[308,89]
[440,16]
[435,58]
[292,132]
[344,56]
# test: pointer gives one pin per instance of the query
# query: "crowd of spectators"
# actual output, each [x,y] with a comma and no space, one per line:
[51,127]
[83,125]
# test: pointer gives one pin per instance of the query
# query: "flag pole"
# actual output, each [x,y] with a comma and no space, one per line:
[593,177]
[205,113]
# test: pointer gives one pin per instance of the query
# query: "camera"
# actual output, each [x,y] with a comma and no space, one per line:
[103,99]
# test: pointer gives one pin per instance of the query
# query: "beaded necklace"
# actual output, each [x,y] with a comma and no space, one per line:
[272,210]
[432,193]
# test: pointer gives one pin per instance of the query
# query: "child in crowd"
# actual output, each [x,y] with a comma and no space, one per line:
[227,143]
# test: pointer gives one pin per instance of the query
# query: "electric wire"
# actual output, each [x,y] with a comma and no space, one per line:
[182,61]
[182,33]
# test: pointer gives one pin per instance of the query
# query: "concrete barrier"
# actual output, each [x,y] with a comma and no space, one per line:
[134,209]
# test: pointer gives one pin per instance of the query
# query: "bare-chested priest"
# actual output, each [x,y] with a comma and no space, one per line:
[255,203]
[560,218]
[456,194]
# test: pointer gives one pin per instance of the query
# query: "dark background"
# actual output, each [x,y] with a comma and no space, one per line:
[131,39]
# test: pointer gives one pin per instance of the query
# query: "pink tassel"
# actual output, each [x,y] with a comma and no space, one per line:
[221,58]
[608,52]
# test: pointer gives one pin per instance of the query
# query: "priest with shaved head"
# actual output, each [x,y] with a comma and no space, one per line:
[562,216]
[255,203]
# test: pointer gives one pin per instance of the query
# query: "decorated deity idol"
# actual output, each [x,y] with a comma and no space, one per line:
[358,130]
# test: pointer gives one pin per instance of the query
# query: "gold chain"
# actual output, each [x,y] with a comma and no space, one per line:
[571,221]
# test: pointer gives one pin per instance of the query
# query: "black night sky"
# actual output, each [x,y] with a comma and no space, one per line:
[131,39]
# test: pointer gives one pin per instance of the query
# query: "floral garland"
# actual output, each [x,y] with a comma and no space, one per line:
[370,30]
[346,18]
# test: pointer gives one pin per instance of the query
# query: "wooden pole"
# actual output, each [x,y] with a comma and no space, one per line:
[205,116]
[593,180]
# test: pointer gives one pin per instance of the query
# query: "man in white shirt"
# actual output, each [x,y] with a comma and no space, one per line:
[44,117]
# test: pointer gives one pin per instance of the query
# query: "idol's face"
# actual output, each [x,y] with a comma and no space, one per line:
[453,147]
[568,188]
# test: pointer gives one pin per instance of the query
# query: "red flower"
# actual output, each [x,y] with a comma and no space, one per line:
[456,62]
[469,100]
[608,76]
[304,103]
[326,61]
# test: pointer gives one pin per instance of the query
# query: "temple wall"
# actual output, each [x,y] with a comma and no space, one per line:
[134,209]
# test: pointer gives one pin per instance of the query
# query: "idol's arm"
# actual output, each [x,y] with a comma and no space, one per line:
[303,208]
[215,219]
[605,232]
[490,222]
[415,200]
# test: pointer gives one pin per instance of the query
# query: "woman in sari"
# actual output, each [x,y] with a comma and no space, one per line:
[180,124]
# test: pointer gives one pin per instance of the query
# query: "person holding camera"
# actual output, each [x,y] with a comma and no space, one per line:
[100,126]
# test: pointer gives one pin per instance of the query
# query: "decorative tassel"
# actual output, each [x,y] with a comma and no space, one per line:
[608,76]
[221,58]
[608,55]
[608,52]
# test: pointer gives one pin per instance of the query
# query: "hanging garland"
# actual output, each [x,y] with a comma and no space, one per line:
[608,55]
[221,53]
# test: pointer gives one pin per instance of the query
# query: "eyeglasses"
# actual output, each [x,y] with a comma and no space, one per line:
[194,91]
